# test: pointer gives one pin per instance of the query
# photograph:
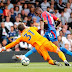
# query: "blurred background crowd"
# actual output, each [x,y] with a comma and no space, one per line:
[13,12]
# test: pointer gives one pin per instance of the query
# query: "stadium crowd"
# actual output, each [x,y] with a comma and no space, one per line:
[13,12]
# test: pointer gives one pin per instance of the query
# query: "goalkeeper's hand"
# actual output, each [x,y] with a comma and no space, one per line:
[2,49]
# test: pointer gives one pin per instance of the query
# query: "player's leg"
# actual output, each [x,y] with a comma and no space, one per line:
[43,52]
[53,48]
[20,57]
[30,52]
[64,50]
[54,40]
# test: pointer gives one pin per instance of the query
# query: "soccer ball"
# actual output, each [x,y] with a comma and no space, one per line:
[25,61]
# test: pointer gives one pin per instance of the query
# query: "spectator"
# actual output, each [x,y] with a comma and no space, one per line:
[26,18]
[29,20]
[0,45]
[31,24]
[67,31]
[41,31]
[52,2]
[57,14]
[37,3]
[60,42]
[32,1]
[57,31]
[20,6]
[4,43]
[15,29]
[12,13]
[4,31]
[1,13]
[2,19]
[17,48]
[8,24]
[48,9]
[66,14]
[64,32]
[68,8]
[61,6]
[16,10]
[70,1]
[22,14]
[11,34]
[0,35]
[32,8]
[70,41]
[19,16]
[34,22]
[11,18]
[17,21]
[62,18]
[22,1]
[25,22]
[63,42]
[9,5]
[2,6]
[51,9]
[25,8]
[44,5]
[6,11]
[70,21]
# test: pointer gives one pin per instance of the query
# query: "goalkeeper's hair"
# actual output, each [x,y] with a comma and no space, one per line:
[21,27]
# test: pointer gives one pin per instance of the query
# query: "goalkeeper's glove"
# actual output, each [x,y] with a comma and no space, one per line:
[2,49]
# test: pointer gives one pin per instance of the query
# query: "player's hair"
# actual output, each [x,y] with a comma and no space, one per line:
[21,27]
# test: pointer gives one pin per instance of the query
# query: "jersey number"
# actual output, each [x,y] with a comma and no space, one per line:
[50,35]
[27,36]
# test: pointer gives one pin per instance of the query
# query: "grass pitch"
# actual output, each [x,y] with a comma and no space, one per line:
[33,67]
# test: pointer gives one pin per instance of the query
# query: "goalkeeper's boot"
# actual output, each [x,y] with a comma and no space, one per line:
[57,63]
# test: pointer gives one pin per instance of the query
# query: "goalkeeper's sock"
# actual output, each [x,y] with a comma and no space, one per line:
[61,55]
[30,52]
[66,51]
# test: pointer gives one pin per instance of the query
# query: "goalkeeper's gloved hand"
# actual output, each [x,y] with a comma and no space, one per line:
[2,49]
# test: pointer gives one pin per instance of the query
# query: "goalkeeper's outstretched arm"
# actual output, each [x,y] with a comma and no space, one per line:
[11,44]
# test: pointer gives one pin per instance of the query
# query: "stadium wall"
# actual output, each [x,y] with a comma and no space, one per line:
[7,57]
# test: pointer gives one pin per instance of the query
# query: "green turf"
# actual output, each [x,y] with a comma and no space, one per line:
[33,67]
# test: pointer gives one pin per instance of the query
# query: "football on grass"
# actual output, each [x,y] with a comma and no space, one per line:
[25,61]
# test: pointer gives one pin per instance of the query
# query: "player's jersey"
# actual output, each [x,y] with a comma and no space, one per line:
[48,17]
[29,35]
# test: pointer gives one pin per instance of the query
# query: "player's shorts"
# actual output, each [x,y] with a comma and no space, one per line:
[51,35]
[45,47]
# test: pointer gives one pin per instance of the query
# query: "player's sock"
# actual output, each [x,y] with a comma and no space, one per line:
[65,51]
[51,62]
[62,56]
[30,52]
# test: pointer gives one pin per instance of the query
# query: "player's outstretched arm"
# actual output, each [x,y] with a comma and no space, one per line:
[11,44]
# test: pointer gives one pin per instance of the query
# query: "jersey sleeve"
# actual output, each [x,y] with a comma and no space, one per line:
[54,17]
[13,43]
[44,17]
